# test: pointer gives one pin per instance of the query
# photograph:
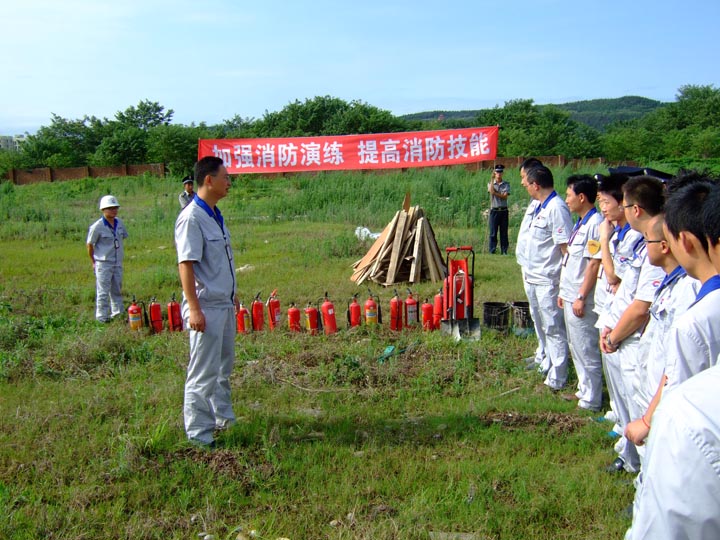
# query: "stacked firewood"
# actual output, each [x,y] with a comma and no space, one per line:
[406,251]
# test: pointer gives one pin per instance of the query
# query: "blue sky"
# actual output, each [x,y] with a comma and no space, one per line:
[209,61]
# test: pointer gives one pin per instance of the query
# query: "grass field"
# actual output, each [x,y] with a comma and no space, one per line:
[442,440]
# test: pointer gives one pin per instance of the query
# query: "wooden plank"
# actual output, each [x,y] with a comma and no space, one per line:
[437,256]
[406,202]
[397,245]
[416,266]
[434,275]
[377,245]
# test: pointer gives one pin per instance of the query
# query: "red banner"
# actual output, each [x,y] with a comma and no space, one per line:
[349,152]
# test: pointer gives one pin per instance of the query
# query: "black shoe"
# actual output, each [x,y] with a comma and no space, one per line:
[616,466]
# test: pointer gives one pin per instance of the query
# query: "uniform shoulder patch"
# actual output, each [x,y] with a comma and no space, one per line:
[593,247]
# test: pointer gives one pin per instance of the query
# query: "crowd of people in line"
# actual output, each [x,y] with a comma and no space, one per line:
[631,293]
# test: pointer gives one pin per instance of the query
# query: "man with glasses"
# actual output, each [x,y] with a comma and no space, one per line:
[627,314]
[207,274]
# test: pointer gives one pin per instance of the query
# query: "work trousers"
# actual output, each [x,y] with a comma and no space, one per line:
[619,371]
[499,218]
[552,351]
[108,291]
[585,350]
[207,387]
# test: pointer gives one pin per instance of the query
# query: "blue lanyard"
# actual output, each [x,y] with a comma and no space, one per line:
[712,284]
[545,203]
[216,215]
[112,227]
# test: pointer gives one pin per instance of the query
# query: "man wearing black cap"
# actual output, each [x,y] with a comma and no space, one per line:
[499,191]
[187,195]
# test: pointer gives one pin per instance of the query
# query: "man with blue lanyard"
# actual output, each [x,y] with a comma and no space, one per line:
[680,492]
[541,246]
[577,291]
[673,298]
[207,275]
[643,198]
[105,248]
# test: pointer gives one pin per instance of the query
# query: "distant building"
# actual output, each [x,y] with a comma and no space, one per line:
[11,142]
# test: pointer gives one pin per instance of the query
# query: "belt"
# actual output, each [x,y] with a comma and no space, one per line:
[504,209]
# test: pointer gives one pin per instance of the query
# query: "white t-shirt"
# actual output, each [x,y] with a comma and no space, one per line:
[543,231]
[577,257]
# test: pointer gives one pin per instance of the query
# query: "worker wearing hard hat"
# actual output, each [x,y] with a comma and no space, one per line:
[105,248]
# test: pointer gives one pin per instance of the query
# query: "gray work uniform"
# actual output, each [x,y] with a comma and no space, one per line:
[107,242]
[205,241]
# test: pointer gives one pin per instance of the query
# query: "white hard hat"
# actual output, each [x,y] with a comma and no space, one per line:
[108,201]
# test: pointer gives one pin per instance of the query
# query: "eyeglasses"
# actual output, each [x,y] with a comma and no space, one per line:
[653,241]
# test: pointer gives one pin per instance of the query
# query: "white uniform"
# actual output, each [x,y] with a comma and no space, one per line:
[108,252]
[640,281]
[674,297]
[205,240]
[680,494]
[581,331]
[693,343]
[544,227]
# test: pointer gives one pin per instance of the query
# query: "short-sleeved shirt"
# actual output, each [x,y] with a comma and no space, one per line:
[693,343]
[579,255]
[679,496]
[205,241]
[544,230]
[676,294]
[107,241]
[184,198]
[602,287]
[497,202]
[629,255]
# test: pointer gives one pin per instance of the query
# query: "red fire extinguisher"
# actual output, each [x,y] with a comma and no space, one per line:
[396,312]
[156,321]
[293,318]
[273,308]
[311,319]
[353,312]
[328,316]
[175,323]
[372,311]
[411,310]
[437,309]
[243,320]
[135,315]
[256,313]
[427,316]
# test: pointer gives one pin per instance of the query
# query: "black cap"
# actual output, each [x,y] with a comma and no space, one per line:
[499,168]
[187,180]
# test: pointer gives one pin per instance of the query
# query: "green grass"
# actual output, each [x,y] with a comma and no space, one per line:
[330,442]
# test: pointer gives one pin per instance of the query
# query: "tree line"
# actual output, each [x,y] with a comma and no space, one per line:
[688,128]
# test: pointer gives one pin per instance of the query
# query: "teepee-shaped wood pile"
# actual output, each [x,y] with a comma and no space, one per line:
[406,251]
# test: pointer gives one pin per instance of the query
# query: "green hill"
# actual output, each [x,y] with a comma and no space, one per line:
[596,113]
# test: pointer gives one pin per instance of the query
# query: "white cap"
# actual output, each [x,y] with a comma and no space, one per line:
[108,201]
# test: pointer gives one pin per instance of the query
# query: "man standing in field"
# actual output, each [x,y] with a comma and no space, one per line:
[577,291]
[541,246]
[499,218]
[209,304]
[105,248]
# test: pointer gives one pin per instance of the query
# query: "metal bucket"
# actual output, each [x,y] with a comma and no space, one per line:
[522,320]
[496,315]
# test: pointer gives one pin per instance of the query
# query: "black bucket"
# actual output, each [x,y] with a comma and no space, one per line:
[496,315]
[522,320]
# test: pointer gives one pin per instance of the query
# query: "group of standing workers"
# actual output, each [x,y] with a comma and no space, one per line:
[632,292]
[629,291]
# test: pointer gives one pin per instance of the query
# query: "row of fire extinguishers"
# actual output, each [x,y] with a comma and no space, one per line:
[151,317]
[403,314]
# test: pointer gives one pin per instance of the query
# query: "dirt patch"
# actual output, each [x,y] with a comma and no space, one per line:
[513,421]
